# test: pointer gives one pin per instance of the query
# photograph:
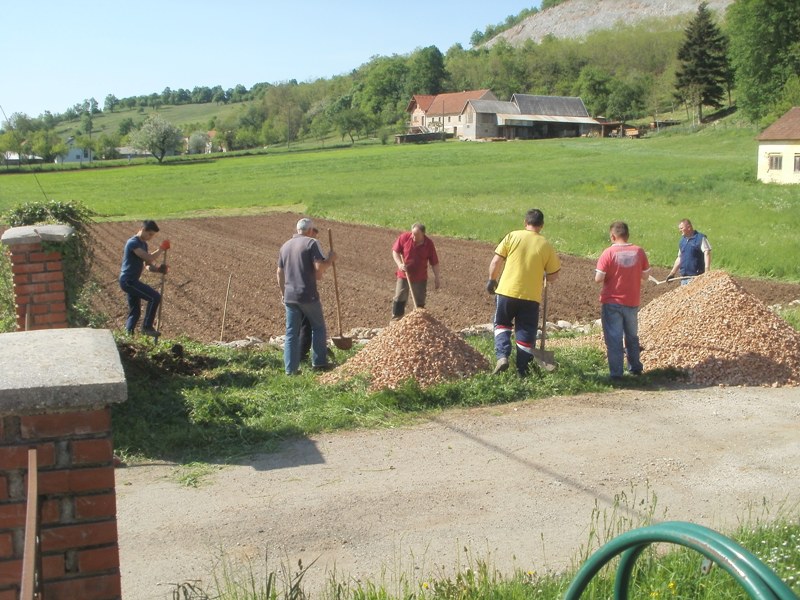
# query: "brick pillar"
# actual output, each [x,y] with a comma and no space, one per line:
[39,296]
[56,389]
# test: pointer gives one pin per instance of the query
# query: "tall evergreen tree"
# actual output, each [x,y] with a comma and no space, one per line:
[703,57]
[765,51]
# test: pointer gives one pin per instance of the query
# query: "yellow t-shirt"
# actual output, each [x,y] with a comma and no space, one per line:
[528,257]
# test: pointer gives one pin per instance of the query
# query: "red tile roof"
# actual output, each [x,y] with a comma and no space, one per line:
[785,128]
[423,101]
[449,104]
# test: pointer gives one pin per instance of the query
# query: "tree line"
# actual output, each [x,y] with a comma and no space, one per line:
[749,57]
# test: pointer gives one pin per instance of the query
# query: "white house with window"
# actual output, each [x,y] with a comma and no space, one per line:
[779,150]
[74,153]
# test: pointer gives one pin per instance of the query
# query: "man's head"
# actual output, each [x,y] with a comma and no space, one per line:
[148,230]
[685,227]
[304,226]
[534,218]
[619,231]
[418,232]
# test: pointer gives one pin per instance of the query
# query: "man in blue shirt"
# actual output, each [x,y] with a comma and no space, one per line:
[134,258]
[300,263]
[694,253]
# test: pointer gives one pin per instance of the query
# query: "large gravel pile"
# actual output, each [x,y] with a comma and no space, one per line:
[416,347]
[719,334]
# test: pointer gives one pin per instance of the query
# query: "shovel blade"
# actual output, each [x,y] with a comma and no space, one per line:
[342,343]
[545,359]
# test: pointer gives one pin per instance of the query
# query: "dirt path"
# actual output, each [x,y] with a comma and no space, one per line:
[205,252]
[515,484]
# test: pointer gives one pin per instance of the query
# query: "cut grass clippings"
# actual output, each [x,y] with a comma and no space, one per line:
[214,402]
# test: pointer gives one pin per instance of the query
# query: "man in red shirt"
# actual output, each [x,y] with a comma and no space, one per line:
[412,251]
[621,269]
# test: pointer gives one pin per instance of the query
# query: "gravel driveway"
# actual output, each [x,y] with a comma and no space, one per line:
[514,484]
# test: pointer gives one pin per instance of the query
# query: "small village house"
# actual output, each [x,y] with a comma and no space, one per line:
[779,150]
[442,112]
[74,153]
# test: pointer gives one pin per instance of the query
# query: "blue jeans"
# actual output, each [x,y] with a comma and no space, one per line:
[138,291]
[621,322]
[524,315]
[319,342]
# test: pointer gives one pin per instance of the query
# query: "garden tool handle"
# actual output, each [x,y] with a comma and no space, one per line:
[335,285]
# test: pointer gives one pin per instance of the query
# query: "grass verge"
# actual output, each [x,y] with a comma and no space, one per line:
[662,571]
[215,403]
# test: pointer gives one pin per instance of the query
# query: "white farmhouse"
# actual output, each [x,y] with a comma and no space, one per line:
[74,153]
[779,150]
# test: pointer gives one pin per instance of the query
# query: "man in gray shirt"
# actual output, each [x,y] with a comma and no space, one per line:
[300,263]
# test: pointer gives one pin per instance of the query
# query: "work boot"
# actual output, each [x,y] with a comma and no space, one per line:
[502,365]
[398,310]
[150,331]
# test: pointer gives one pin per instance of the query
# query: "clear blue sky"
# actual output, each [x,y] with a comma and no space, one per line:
[57,54]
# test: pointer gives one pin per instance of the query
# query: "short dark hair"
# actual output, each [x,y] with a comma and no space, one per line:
[620,229]
[534,217]
[420,226]
[149,226]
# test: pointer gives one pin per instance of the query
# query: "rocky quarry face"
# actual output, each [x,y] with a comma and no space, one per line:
[719,334]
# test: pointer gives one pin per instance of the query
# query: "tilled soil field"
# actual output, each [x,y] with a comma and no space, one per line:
[206,252]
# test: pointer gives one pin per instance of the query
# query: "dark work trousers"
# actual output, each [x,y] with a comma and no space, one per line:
[138,291]
[523,316]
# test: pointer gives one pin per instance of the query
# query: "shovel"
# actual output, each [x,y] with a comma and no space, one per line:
[161,304]
[340,341]
[545,359]
[657,282]
[410,289]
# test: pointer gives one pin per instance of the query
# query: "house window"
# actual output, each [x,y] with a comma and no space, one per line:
[797,163]
[775,162]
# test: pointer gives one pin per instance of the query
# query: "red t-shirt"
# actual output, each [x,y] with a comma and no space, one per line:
[623,265]
[416,257]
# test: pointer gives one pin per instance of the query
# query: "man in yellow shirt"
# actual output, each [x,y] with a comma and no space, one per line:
[524,258]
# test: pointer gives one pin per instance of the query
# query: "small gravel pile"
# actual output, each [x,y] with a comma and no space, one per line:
[719,334]
[416,347]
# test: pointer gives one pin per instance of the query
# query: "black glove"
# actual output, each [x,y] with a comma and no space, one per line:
[162,268]
[670,278]
[491,286]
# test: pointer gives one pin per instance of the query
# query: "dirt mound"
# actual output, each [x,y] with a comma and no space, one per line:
[416,347]
[719,334]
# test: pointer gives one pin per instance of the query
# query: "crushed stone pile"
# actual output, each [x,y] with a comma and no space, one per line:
[417,347]
[719,334]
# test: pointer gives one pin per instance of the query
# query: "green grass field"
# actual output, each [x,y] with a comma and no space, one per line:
[180,116]
[480,191]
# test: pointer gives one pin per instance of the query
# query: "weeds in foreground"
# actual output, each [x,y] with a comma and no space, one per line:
[660,572]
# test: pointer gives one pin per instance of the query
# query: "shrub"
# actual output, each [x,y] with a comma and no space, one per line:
[76,252]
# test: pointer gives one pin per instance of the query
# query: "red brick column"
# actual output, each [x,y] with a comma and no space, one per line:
[39,295]
[69,423]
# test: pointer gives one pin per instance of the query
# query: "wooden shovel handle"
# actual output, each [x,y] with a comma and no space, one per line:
[335,286]
[408,280]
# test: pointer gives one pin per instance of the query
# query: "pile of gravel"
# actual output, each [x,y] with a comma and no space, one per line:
[417,347]
[719,334]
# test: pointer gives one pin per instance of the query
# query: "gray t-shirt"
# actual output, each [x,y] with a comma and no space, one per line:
[296,258]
